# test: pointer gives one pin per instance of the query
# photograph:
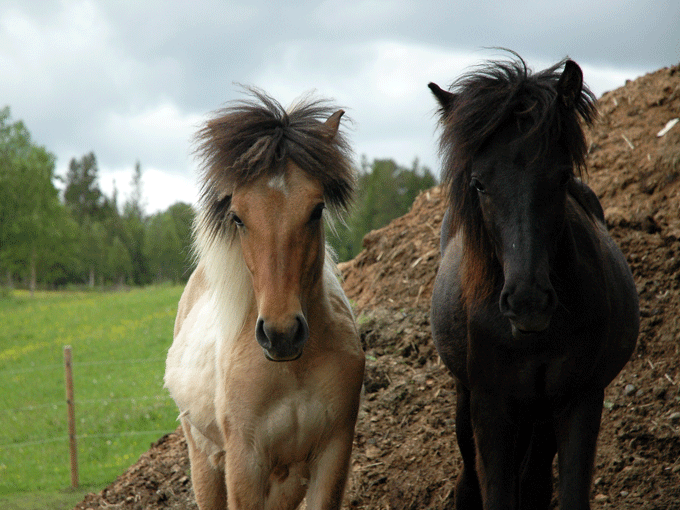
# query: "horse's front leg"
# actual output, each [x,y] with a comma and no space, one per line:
[577,428]
[495,440]
[468,496]
[329,472]
[536,481]
[207,479]
[246,479]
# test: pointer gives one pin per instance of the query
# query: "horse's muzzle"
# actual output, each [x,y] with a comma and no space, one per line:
[528,308]
[282,343]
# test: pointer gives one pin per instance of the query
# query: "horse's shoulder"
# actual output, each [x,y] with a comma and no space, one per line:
[448,315]
[190,369]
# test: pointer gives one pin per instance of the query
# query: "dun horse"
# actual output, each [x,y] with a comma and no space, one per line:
[534,309]
[266,366]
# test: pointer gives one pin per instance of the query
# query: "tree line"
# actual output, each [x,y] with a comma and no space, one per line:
[385,191]
[81,237]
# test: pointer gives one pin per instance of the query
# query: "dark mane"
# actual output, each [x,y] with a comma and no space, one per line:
[486,100]
[256,137]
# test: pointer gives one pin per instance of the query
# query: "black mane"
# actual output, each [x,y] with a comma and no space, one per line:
[498,92]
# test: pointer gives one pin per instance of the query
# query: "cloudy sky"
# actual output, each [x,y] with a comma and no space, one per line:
[132,80]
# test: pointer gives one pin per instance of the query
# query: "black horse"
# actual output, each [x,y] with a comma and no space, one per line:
[534,309]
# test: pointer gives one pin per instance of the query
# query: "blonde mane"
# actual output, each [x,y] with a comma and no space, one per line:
[192,361]
[229,280]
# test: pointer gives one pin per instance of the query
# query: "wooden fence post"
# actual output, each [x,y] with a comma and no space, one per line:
[70,404]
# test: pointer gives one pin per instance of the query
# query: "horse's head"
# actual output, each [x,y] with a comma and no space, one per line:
[512,188]
[269,175]
[522,202]
[279,222]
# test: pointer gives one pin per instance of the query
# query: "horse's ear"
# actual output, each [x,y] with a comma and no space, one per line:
[333,123]
[446,99]
[570,84]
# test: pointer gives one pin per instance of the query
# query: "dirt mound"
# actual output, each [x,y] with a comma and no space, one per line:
[405,454]
[397,267]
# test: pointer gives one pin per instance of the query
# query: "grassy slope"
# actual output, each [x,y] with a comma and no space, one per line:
[119,341]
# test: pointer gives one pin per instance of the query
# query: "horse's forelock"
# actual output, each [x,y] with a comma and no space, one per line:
[498,92]
[256,137]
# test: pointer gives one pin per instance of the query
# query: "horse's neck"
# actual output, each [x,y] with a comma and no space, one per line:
[316,301]
[580,238]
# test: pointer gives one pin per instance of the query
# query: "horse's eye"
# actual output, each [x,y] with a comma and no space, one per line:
[237,221]
[317,212]
[474,183]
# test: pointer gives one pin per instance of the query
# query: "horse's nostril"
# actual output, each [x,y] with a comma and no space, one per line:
[261,334]
[302,333]
[527,300]
[282,341]
[504,303]
[552,301]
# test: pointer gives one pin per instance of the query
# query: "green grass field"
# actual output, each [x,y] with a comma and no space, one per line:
[119,341]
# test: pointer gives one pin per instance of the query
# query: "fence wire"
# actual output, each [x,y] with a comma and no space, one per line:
[105,401]
[79,364]
[57,405]
[85,436]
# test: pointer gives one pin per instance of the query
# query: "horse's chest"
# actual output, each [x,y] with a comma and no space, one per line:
[527,377]
[290,427]
[282,418]
[536,378]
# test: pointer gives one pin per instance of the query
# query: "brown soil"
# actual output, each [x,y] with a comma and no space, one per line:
[405,455]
